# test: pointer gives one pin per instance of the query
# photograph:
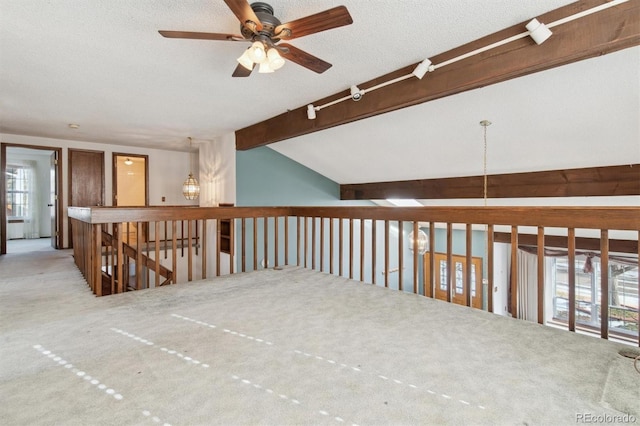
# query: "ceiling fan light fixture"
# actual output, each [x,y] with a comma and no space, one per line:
[265,68]
[275,60]
[257,52]
[245,60]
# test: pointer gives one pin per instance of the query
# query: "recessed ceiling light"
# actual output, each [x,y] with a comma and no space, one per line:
[74,126]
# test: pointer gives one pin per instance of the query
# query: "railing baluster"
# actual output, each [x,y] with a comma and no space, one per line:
[204,249]
[331,245]
[604,283]
[174,250]
[190,250]
[232,244]
[243,244]
[432,260]
[286,240]
[97,256]
[138,256]
[321,244]
[165,239]
[147,272]
[415,257]
[638,293]
[313,243]
[119,257]
[306,240]
[386,253]
[276,219]
[571,266]
[351,249]
[373,251]
[469,265]
[298,263]
[362,249]
[255,243]
[541,260]
[157,253]
[450,271]
[340,246]
[490,267]
[514,272]
[400,256]
[265,226]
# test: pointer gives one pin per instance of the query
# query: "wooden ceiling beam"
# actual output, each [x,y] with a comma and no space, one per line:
[597,34]
[584,182]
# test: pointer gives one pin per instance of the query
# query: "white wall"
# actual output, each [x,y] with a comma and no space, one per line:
[167,169]
[217,185]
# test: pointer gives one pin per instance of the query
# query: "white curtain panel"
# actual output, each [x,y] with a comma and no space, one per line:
[32,222]
[527,286]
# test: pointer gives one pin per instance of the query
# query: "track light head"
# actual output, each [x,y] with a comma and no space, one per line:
[311,112]
[356,94]
[538,31]
[422,68]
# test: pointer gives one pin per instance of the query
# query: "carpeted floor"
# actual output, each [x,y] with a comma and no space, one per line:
[286,347]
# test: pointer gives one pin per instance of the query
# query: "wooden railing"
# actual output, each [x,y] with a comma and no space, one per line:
[368,244]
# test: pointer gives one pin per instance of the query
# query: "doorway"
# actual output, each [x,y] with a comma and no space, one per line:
[458,288]
[131,189]
[31,197]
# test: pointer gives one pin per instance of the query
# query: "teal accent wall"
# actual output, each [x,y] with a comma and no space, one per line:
[265,177]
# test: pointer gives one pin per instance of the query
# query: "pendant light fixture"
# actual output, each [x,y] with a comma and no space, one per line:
[422,242]
[190,187]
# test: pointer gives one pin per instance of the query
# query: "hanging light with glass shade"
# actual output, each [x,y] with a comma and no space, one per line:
[190,187]
[422,242]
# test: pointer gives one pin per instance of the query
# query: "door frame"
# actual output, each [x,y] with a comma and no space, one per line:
[114,185]
[114,176]
[3,192]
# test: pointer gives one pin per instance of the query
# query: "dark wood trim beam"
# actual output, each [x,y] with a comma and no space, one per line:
[584,182]
[557,241]
[600,33]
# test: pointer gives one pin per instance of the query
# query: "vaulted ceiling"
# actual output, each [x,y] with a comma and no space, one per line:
[104,66]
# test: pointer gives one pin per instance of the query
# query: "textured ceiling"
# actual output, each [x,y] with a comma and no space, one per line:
[104,66]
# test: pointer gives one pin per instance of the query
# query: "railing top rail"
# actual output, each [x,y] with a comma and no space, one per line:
[593,217]
[97,215]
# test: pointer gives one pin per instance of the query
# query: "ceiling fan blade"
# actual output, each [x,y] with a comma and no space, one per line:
[304,59]
[332,18]
[243,12]
[201,36]
[241,71]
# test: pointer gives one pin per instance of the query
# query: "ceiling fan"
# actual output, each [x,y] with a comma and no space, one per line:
[259,26]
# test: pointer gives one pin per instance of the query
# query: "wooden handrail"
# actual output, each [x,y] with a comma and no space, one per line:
[312,224]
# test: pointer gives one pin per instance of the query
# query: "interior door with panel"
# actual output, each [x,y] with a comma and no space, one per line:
[86,180]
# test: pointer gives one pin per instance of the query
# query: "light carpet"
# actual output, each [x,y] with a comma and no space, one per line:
[285,347]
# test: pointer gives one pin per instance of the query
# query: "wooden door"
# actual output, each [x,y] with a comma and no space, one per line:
[458,288]
[86,180]
[54,201]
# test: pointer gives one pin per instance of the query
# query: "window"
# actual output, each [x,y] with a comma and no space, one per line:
[623,294]
[18,182]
